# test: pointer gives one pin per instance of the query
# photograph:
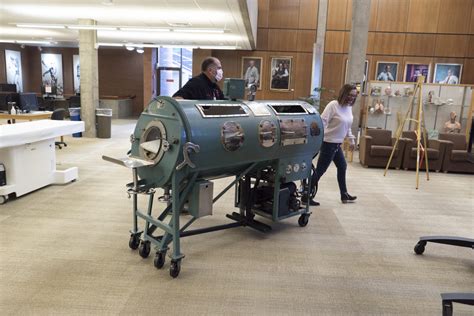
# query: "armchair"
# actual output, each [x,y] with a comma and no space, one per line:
[377,145]
[456,158]
[435,151]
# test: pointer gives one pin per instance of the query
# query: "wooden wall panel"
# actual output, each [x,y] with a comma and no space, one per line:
[454,15]
[349,15]
[198,56]
[302,77]
[283,40]
[468,71]
[470,51]
[124,80]
[333,71]
[472,19]
[370,43]
[263,7]
[377,58]
[374,4]
[423,16]
[336,17]
[262,39]
[283,14]
[305,40]
[392,15]
[389,43]
[308,15]
[420,44]
[451,45]
[334,42]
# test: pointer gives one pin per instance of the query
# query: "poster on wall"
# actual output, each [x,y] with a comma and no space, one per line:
[386,71]
[413,70]
[280,73]
[76,70]
[13,67]
[252,71]
[364,80]
[448,73]
[52,74]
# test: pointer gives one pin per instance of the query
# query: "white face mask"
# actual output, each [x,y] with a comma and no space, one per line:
[219,74]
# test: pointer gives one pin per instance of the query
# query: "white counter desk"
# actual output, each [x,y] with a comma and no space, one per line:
[28,152]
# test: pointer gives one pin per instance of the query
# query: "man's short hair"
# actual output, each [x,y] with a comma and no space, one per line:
[207,63]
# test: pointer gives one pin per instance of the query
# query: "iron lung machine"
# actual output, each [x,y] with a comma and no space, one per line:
[180,146]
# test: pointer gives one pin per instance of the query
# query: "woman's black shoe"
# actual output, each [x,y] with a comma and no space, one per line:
[304,200]
[347,198]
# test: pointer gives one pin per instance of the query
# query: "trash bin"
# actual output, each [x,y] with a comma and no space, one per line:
[75,115]
[103,122]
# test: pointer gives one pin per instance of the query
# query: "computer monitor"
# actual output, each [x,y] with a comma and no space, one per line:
[28,102]
[7,87]
[6,97]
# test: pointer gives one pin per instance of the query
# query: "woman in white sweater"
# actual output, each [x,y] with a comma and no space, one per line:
[337,120]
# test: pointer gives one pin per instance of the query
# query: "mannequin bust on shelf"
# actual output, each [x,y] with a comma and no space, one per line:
[452,126]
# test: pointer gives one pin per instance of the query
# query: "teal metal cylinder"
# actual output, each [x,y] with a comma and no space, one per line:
[230,135]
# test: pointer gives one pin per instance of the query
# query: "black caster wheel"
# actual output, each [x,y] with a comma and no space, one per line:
[134,242]
[420,248]
[175,268]
[159,261]
[303,220]
[144,249]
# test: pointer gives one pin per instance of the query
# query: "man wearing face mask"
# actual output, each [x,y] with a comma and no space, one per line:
[204,86]
[337,120]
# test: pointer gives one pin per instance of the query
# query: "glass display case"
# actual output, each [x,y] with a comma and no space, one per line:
[388,102]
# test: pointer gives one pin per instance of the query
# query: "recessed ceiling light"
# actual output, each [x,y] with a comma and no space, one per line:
[107,2]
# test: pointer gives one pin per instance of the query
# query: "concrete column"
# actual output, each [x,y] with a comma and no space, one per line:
[89,76]
[357,51]
[318,48]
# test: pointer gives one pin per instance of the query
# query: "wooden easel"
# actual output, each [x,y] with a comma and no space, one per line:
[419,129]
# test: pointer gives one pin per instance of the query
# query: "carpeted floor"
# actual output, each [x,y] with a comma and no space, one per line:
[64,249]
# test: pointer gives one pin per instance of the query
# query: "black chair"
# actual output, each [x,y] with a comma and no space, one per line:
[59,115]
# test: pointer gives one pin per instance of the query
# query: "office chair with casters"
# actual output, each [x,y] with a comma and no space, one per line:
[59,115]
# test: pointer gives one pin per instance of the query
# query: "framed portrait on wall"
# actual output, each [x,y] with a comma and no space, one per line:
[13,68]
[363,84]
[52,73]
[280,73]
[252,71]
[413,70]
[76,71]
[386,71]
[447,73]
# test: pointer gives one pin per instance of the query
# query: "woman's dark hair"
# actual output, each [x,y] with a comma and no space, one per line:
[207,63]
[345,91]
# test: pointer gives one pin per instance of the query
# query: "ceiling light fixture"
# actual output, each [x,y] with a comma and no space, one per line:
[107,2]
[41,26]
[142,29]
[129,47]
[92,27]
[25,42]
[188,30]
[132,46]
[140,50]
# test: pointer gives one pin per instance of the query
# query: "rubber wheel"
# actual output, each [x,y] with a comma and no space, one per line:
[303,220]
[420,248]
[159,261]
[144,249]
[134,242]
[175,268]
[3,199]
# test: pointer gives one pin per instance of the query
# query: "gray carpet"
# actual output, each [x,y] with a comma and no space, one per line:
[64,249]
